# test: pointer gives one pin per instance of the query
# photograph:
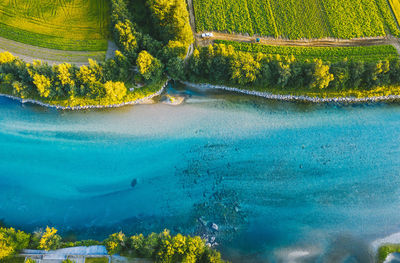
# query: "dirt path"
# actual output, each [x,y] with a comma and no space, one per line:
[191,16]
[52,56]
[326,42]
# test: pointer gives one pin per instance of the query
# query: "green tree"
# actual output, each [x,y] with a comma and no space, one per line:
[356,71]
[175,68]
[115,243]
[126,38]
[244,68]
[171,18]
[321,77]
[12,241]
[49,239]
[43,85]
[20,90]
[149,67]
[116,91]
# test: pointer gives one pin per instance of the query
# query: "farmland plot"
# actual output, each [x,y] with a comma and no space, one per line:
[395,4]
[295,19]
[327,54]
[58,24]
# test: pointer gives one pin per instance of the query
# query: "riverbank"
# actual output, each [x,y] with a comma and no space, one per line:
[288,97]
[143,100]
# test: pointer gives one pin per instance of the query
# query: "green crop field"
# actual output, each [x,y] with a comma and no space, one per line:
[297,19]
[58,24]
[329,54]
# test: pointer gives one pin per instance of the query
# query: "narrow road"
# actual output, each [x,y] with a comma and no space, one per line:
[325,42]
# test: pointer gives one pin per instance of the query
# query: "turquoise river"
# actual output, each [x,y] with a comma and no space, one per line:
[283,181]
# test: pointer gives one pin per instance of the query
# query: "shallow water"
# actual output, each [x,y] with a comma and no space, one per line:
[276,177]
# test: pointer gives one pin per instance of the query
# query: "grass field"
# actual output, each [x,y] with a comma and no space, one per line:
[297,19]
[395,4]
[81,25]
[331,54]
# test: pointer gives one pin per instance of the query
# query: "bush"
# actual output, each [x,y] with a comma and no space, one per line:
[49,239]
[115,243]
[12,241]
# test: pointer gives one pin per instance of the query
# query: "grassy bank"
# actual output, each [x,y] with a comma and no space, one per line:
[385,250]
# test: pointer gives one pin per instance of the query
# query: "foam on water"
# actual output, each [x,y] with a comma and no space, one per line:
[273,176]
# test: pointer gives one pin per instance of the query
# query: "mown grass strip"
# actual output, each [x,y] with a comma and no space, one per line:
[331,54]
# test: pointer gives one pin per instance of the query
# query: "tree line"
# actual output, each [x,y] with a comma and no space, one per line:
[224,65]
[141,58]
[64,81]
[162,247]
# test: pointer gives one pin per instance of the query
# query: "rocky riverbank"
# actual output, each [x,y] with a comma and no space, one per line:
[59,107]
[271,96]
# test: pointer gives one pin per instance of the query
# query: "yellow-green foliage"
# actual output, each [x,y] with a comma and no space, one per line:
[115,243]
[67,25]
[147,64]
[42,84]
[173,18]
[294,19]
[12,241]
[395,4]
[6,57]
[64,74]
[321,75]
[331,54]
[385,250]
[115,90]
[126,35]
[244,68]
[49,239]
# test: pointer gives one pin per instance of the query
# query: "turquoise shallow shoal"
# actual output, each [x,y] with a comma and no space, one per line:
[276,177]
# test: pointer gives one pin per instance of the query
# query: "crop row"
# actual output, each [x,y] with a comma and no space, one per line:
[298,19]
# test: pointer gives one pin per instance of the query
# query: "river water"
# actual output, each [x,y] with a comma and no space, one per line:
[282,181]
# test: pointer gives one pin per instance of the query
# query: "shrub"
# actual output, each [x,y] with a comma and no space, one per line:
[49,240]
[12,241]
[115,243]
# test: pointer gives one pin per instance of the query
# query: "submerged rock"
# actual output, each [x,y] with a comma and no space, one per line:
[134,183]
[214,226]
[172,100]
